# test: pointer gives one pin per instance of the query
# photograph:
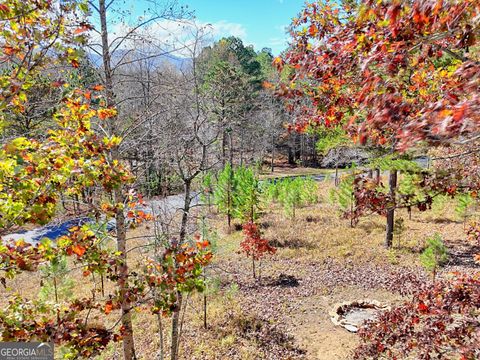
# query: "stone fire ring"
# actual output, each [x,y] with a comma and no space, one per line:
[351,315]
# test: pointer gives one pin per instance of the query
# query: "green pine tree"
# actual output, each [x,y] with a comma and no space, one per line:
[296,193]
[247,195]
[434,255]
[225,192]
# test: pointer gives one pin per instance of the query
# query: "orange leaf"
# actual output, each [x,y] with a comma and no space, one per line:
[460,113]
[8,50]
[180,257]
[313,30]
[267,85]
[78,249]
[81,29]
[203,244]
[108,307]
[278,63]
[106,113]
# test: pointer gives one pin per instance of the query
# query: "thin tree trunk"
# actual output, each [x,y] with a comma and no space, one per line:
[291,157]
[377,176]
[336,174]
[230,138]
[229,199]
[176,328]
[391,211]
[272,164]
[241,148]
[224,148]
[253,268]
[182,236]
[128,340]
[160,332]
[302,149]
[260,270]
[204,303]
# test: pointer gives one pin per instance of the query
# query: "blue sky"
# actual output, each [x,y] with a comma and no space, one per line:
[258,22]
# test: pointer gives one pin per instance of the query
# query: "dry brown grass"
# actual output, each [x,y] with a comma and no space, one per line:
[319,232]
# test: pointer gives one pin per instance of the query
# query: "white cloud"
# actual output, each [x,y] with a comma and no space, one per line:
[224,28]
[169,34]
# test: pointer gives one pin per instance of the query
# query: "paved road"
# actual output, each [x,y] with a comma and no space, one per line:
[53,231]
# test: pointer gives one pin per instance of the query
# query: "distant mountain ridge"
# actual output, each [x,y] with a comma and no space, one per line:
[153,60]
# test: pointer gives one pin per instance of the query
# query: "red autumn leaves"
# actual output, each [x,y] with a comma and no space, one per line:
[253,245]
[401,70]
[441,319]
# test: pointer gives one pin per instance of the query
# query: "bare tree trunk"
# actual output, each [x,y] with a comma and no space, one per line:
[181,239]
[336,174]
[128,340]
[204,302]
[302,149]
[230,140]
[314,151]
[224,148]
[272,165]
[230,199]
[241,147]
[391,211]
[253,268]
[160,333]
[377,176]
[291,156]
[176,328]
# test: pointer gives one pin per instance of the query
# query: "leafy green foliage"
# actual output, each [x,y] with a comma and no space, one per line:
[343,195]
[435,254]
[330,138]
[247,194]
[395,162]
[206,188]
[292,193]
[399,228]
[56,282]
[464,201]
[237,193]
[270,191]
[225,191]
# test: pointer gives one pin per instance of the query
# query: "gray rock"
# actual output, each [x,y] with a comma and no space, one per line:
[351,328]
[344,156]
[352,315]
